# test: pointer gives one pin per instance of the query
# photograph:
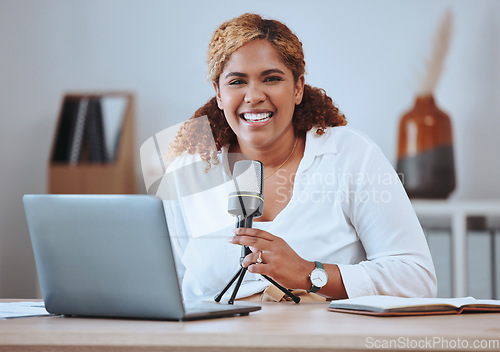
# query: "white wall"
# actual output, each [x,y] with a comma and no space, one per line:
[365,54]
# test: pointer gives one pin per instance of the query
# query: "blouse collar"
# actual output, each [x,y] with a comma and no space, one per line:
[316,145]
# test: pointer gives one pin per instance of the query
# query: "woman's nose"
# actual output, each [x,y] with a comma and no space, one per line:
[255,94]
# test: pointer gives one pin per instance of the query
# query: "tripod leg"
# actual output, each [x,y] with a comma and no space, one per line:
[219,296]
[284,290]
[245,250]
[238,284]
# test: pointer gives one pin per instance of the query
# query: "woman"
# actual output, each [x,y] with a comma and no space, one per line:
[333,203]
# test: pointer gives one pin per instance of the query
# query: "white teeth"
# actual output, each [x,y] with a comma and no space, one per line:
[260,117]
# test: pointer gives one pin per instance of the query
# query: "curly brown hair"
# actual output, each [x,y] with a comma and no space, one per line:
[315,110]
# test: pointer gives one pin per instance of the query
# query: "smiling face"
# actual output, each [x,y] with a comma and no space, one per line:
[258,94]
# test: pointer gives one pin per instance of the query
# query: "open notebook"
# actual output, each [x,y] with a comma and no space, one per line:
[110,256]
[392,306]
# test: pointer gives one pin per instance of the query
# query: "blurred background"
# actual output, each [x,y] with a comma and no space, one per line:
[367,55]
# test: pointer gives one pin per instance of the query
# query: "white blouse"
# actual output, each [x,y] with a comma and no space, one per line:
[348,208]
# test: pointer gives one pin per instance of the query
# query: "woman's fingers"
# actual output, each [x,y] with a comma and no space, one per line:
[254,238]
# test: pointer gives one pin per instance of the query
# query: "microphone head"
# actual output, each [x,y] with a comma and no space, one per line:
[248,176]
[246,198]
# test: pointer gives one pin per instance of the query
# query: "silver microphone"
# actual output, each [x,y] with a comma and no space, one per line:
[246,200]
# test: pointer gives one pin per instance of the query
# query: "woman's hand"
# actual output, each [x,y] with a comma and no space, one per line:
[277,259]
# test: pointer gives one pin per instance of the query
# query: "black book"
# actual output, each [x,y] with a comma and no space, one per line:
[64,134]
[96,148]
[77,139]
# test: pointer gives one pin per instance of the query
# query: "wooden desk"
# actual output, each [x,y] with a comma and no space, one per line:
[277,327]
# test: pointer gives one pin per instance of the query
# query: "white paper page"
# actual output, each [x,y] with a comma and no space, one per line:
[22,309]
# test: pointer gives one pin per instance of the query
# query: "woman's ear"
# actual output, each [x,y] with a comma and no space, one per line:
[217,95]
[299,89]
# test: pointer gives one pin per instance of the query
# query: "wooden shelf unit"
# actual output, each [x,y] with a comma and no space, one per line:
[116,176]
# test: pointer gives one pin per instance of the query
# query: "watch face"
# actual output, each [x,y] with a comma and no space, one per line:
[319,277]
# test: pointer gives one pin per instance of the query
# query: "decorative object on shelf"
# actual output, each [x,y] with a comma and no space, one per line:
[425,151]
[93,148]
[425,145]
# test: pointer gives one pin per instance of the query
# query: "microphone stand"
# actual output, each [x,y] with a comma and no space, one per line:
[246,203]
[240,274]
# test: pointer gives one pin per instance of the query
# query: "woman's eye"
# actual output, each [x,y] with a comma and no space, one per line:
[273,79]
[236,82]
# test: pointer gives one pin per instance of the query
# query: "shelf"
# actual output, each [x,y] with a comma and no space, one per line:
[456,214]
[93,148]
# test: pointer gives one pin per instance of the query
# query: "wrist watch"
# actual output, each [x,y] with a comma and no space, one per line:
[318,277]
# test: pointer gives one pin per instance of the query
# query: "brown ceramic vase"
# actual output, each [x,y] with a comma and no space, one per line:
[425,151]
